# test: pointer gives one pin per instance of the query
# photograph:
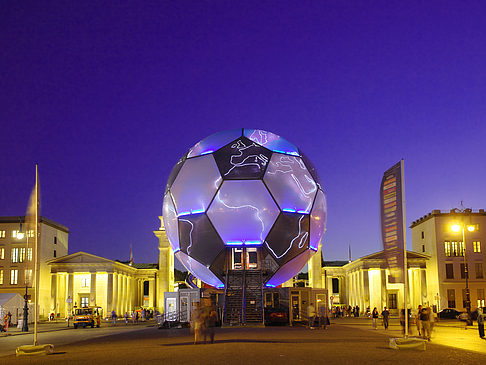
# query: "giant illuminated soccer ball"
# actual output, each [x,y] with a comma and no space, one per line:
[238,190]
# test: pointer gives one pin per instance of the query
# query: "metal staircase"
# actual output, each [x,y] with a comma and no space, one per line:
[233,297]
[243,297]
[253,297]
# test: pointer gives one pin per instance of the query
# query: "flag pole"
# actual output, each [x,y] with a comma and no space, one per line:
[405,264]
[36,245]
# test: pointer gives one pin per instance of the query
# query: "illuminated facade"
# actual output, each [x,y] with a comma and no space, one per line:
[82,279]
[364,282]
[432,235]
[244,199]
[17,257]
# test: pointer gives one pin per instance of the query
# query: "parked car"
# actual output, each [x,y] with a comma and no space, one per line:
[449,313]
[474,315]
[276,316]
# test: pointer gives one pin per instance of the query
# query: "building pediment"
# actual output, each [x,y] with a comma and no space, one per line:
[81,257]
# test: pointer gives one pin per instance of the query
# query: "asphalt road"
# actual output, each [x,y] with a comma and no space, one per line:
[341,343]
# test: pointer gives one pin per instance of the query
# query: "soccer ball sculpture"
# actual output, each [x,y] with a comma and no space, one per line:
[244,190]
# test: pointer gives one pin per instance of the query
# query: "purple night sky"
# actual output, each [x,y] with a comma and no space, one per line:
[106,98]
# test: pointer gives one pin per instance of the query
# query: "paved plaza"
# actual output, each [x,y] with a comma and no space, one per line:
[346,341]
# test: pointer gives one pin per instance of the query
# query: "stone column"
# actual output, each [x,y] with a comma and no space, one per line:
[54,294]
[115,292]
[70,286]
[109,293]
[165,282]
[151,292]
[92,290]
[315,270]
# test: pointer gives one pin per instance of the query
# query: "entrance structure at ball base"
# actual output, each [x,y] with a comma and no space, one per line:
[244,209]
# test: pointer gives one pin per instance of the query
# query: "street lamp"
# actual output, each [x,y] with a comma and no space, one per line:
[458,227]
[25,325]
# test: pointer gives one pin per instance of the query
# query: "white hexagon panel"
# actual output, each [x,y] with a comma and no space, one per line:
[244,188]
[195,185]
[243,219]
[290,183]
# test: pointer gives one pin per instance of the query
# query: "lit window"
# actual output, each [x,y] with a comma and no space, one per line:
[15,255]
[477,246]
[22,254]
[84,282]
[2,253]
[14,276]
[447,247]
[84,302]
[14,234]
[28,275]
[30,233]
[2,234]
[29,253]
[1,277]
[480,297]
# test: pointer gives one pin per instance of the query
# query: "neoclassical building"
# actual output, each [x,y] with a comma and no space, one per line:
[79,279]
[82,279]
[450,253]
[364,282]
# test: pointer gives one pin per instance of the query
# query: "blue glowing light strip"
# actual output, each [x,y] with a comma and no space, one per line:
[270,285]
[234,243]
[293,153]
[195,211]
[303,211]
[253,243]
[289,210]
[177,250]
[207,152]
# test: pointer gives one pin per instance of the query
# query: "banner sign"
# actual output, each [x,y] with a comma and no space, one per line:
[392,229]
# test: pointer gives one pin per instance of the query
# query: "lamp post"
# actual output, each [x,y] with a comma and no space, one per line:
[25,325]
[457,227]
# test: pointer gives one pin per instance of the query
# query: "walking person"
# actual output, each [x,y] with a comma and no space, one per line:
[196,323]
[113,317]
[425,323]
[210,325]
[418,322]
[311,313]
[386,316]
[126,318]
[374,318]
[481,317]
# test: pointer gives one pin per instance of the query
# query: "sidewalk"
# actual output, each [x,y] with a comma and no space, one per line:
[61,325]
[445,333]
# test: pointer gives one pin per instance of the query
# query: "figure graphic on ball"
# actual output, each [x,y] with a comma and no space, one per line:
[244,199]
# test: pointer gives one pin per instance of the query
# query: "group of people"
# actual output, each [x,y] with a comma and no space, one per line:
[318,319]
[345,311]
[7,322]
[135,316]
[203,323]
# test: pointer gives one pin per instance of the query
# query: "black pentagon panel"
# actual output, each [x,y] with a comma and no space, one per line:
[311,169]
[203,246]
[269,264]
[175,171]
[242,159]
[218,265]
[289,236]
